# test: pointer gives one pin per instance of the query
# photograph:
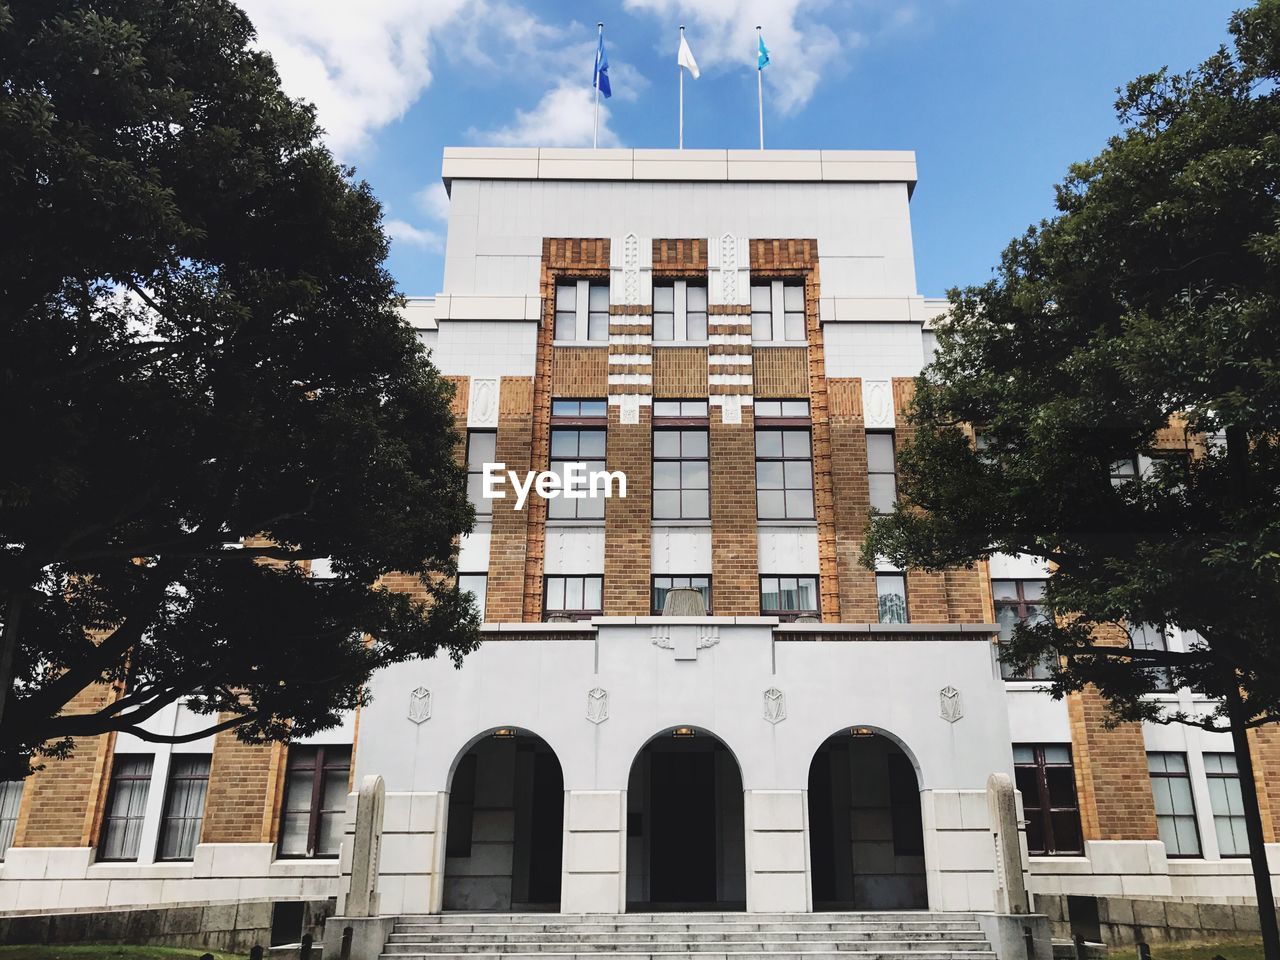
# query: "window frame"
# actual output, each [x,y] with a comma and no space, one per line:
[167,820]
[1161,631]
[784,424]
[10,806]
[680,312]
[482,598]
[482,504]
[1043,804]
[320,767]
[1193,816]
[583,613]
[1220,774]
[109,821]
[777,313]
[656,610]
[1020,606]
[680,424]
[791,615]
[906,596]
[892,472]
[582,313]
[577,422]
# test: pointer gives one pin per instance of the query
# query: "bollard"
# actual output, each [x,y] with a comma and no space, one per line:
[305,952]
[1144,951]
[1029,942]
[344,952]
[255,953]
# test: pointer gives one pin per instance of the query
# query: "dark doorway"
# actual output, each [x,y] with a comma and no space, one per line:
[685,826]
[504,846]
[866,835]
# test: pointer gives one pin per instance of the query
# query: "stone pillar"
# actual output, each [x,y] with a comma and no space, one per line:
[594,878]
[361,896]
[1002,813]
[777,851]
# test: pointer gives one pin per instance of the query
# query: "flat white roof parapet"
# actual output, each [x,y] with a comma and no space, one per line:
[786,166]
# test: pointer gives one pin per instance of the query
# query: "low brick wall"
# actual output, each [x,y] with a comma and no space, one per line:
[230,927]
[1123,921]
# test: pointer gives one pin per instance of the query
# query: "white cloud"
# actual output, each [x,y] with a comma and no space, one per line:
[433,200]
[723,35]
[362,66]
[564,117]
[401,231]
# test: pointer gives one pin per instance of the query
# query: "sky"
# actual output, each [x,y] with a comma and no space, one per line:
[996,97]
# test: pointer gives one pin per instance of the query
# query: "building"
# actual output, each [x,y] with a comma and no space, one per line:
[737,333]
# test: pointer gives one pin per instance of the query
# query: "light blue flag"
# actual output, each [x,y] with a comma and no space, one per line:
[762,59]
[600,79]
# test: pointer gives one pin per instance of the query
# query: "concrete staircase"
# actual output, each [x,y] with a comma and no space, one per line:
[916,935]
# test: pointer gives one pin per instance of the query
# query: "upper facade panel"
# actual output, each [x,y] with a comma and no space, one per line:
[505,201]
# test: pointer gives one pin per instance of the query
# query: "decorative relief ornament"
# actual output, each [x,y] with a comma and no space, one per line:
[729,268]
[775,705]
[420,705]
[482,404]
[598,705]
[877,404]
[631,269]
[951,707]
[685,639]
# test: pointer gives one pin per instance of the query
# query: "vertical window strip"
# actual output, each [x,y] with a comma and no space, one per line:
[482,447]
[126,806]
[317,780]
[10,801]
[1175,805]
[882,470]
[1227,804]
[681,474]
[1020,601]
[1045,776]
[891,597]
[184,806]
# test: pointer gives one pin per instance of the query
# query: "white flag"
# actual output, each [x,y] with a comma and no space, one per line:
[685,57]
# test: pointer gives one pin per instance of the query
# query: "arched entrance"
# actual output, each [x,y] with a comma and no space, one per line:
[685,833]
[866,837]
[503,841]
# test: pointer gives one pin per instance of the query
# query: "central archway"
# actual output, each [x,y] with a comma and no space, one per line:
[503,840]
[866,836]
[685,831]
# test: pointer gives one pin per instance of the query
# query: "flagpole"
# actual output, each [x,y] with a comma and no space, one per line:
[760,87]
[595,130]
[680,70]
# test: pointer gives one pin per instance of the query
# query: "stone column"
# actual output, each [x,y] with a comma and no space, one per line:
[594,878]
[777,839]
[1002,812]
[361,896]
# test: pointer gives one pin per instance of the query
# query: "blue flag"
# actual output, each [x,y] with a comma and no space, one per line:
[762,59]
[600,79]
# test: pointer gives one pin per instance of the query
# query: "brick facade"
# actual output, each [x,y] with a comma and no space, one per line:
[245,783]
[627,539]
[852,507]
[509,540]
[734,548]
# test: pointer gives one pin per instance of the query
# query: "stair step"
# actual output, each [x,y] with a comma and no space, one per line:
[842,954]
[697,946]
[682,936]
[595,928]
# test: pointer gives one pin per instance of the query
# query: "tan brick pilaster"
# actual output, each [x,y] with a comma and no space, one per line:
[628,543]
[734,547]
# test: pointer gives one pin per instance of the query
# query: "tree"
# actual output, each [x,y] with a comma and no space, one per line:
[205,383]
[1140,321]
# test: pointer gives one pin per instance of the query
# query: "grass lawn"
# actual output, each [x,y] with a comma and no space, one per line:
[105,952]
[1250,949]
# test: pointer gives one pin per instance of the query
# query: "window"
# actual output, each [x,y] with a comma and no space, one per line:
[315,800]
[784,460]
[582,310]
[680,311]
[10,800]
[777,311]
[481,449]
[574,598]
[1150,636]
[661,584]
[891,597]
[882,471]
[1044,774]
[476,584]
[1019,601]
[1227,804]
[577,436]
[1124,471]
[681,479]
[1175,808]
[126,805]
[789,597]
[184,806]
